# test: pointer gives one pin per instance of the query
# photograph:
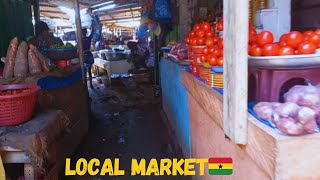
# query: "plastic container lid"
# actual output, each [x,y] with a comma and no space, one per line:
[217,69]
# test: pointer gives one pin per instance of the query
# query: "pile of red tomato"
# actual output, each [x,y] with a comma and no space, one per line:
[292,43]
[204,35]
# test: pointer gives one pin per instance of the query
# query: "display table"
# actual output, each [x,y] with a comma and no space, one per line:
[61,90]
[267,155]
[41,144]
[175,102]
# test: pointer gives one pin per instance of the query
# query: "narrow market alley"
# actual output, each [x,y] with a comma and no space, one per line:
[125,123]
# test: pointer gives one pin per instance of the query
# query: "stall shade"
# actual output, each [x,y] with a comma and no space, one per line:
[15,20]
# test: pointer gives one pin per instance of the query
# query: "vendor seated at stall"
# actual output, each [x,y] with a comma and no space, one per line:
[139,56]
[44,39]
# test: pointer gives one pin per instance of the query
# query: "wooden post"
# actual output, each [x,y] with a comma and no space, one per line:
[79,37]
[36,11]
[235,15]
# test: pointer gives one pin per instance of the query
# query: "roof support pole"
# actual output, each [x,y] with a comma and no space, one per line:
[79,39]
[236,24]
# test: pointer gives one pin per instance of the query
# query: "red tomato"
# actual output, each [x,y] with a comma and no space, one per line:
[220,61]
[294,39]
[216,39]
[187,40]
[308,33]
[317,31]
[194,41]
[200,33]
[197,27]
[220,43]
[220,26]
[209,33]
[212,61]
[314,38]
[209,42]
[205,51]
[284,38]
[192,34]
[270,50]
[208,56]
[252,35]
[286,50]
[282,44]
[215,51]
[203,58]
[206,26]
[201,41]
[296,51]
[307,48]
[256,51]
[265,37]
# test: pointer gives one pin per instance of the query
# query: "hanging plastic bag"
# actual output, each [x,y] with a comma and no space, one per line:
[8,70]
[162,11]
[21,61]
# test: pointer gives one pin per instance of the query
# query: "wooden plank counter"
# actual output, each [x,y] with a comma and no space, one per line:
[268,154]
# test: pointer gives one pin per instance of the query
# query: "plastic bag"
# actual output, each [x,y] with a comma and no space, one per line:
[34,63]
[308,96]
[43,60]
[179,52]
[21,61]
[8,70]
[289,118]
[303,121]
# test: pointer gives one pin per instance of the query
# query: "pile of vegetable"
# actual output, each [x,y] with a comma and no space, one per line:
[178,52]
[298,115]
[64,46]
[292,43]
[204,35]
[22,60]
[14,91]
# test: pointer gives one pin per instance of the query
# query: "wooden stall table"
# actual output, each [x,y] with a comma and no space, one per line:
[41,144]
[267,155]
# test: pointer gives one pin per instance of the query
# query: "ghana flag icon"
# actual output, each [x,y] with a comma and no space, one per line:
[220,166]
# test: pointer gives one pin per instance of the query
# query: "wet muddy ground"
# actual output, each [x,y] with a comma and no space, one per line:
[125,123]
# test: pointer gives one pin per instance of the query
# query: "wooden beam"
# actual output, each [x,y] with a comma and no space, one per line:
[119,12]
[115,19]
[55,12]
[79,39]
[36,10]
[235,69]
[134,5]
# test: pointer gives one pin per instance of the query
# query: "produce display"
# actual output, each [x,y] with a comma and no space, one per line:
[64,46]
[10,58]
[22,60]
[298,115]
[178,52]
[14,91]
[292,43]
[204,35]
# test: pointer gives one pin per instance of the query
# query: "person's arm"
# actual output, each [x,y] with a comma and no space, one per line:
[92,32]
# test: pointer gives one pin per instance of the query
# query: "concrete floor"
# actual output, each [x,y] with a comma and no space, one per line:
[125,124]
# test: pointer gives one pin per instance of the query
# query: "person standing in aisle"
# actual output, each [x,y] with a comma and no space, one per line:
[88,56]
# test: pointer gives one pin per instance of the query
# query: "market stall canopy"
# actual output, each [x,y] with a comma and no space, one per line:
[112,13]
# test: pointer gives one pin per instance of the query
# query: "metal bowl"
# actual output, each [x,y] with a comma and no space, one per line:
[285,62]
[114,56]
[61,54]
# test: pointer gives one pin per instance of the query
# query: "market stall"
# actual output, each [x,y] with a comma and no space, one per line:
[252,98]
[44,102]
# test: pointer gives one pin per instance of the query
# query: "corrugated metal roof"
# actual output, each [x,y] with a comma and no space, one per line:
[124,10]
